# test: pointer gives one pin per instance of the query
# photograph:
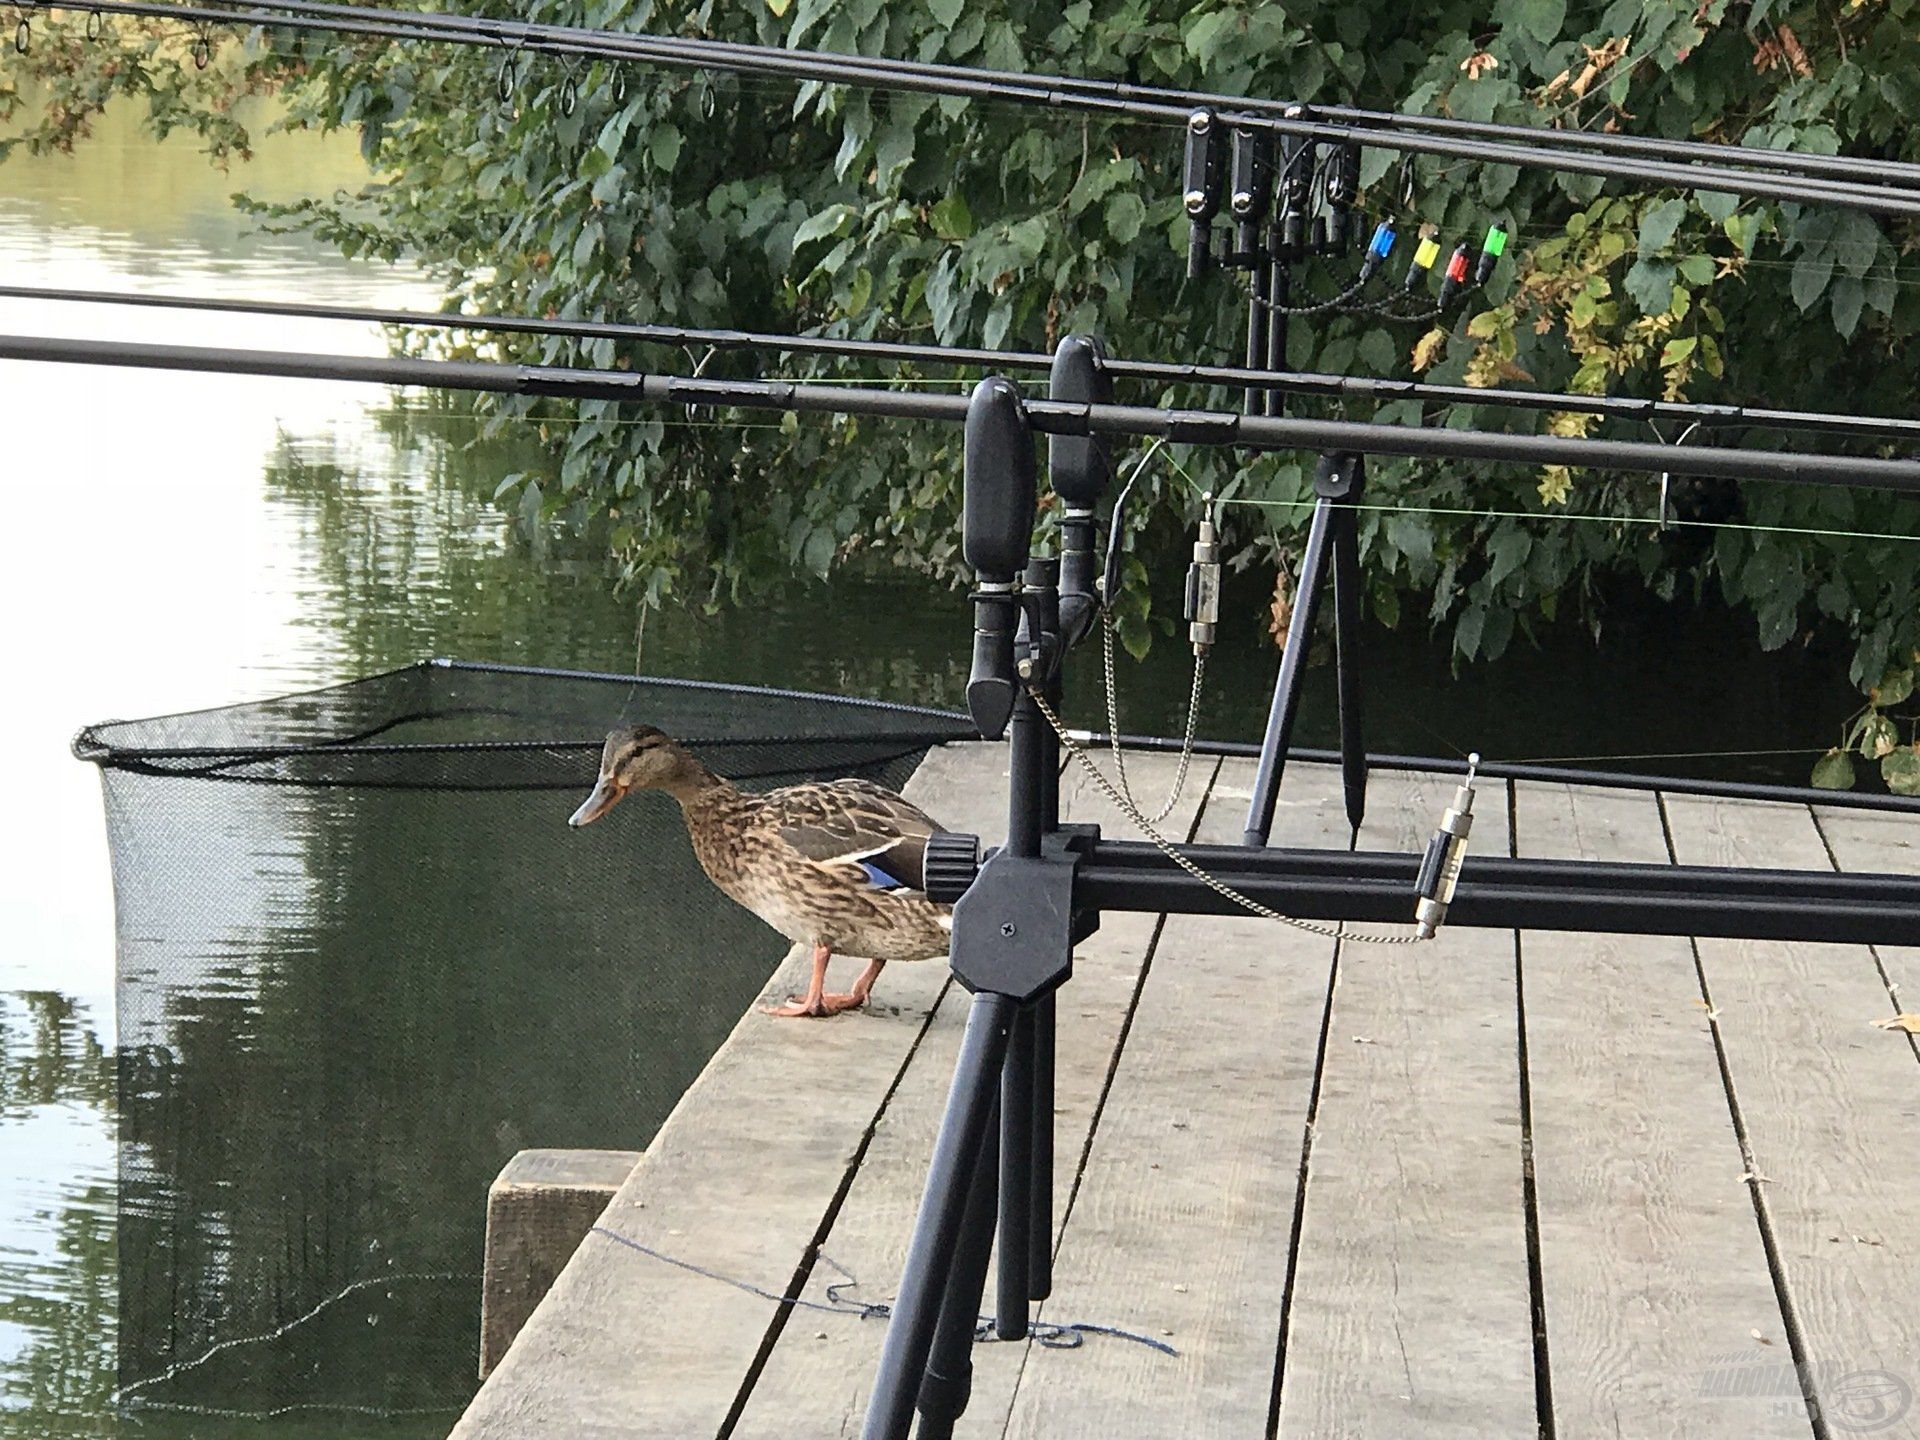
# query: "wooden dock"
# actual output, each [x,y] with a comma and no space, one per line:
[1503,1185]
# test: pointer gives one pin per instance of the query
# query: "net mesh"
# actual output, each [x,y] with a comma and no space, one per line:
[362,961]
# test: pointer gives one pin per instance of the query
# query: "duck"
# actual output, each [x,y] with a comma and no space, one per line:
[837,866]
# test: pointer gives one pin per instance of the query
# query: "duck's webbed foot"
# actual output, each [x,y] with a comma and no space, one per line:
[817,1004]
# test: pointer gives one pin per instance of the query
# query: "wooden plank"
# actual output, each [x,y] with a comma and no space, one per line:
[739,1180]
[1651,1260]
[1185,1215]
[1881,843]
[1831,1109]
[539,1208]
[817,1379]
[1411,1312]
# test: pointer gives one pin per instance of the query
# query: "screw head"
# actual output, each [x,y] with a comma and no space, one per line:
[1009,930]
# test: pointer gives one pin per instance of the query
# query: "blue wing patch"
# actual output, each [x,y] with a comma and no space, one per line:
[880,879]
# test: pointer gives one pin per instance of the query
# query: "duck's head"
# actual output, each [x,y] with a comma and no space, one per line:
[636,757]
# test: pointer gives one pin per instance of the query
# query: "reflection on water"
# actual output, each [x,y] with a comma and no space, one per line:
[303,1107]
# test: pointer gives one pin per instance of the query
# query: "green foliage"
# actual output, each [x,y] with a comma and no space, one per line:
[707,200]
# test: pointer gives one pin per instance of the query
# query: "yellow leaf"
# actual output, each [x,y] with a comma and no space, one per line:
[779,7]
[1485,325]
[1556,484]
[1280,613]
[1909,1023]
[1427,349]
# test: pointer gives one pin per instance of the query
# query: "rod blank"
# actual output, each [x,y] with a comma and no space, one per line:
[1047,417]
[1300,382]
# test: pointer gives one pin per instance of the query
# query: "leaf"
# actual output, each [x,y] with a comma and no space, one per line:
[947,12]
[1206,36]
[664,145]
[951,219]
[1901,771]
[892,153]
[1894,687]
[859,292]
[1878,738]
[779,7]
[1905,1023]
[1834,771]
[1810,275]
[1508,550]
[1541,19]
[1126,212]
[818,554]
[1427,348]
[1280,610]
[1717,204]
[1849,297]
[1677,350]
[1650,283]
[1697,269]
[829,221]
[1658,225]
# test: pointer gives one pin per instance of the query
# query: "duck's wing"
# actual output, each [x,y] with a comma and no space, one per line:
[855,822]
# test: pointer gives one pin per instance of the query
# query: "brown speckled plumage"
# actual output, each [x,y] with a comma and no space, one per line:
[796,857]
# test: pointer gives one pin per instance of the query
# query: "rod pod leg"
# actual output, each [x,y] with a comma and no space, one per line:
[1346,635]
[947,1383]
[1016,1179]
[937,1229]
[1040,1227]
[1286,686]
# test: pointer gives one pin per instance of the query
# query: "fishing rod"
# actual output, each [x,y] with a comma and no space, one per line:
[1301,382]
[1802,184]
[1046,416]
[1841,167]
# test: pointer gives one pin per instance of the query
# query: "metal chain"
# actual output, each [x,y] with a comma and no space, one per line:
[1113,723]
[1167,848]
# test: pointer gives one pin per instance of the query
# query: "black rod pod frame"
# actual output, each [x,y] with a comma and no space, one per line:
[1333,549]
[1014,929]
[1079,469]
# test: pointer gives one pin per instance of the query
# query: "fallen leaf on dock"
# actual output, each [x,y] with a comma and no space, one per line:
[1761,1338]
[1909,1023]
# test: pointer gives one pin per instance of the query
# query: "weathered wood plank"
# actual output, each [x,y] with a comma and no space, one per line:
[1652,1262]
[1877,842]
[817,1379]
[1184,1218]
[1831,1108]
[1411,1312]
[539,1208]
[739,1180]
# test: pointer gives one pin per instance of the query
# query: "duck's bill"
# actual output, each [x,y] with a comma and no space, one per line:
[605,796]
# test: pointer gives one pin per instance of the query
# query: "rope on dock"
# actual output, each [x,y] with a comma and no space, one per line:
[1054,1336]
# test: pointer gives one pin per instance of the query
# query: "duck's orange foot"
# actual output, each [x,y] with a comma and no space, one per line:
[797,1009]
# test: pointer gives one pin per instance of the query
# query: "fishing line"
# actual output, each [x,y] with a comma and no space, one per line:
[239,1342]
[1053,1335]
